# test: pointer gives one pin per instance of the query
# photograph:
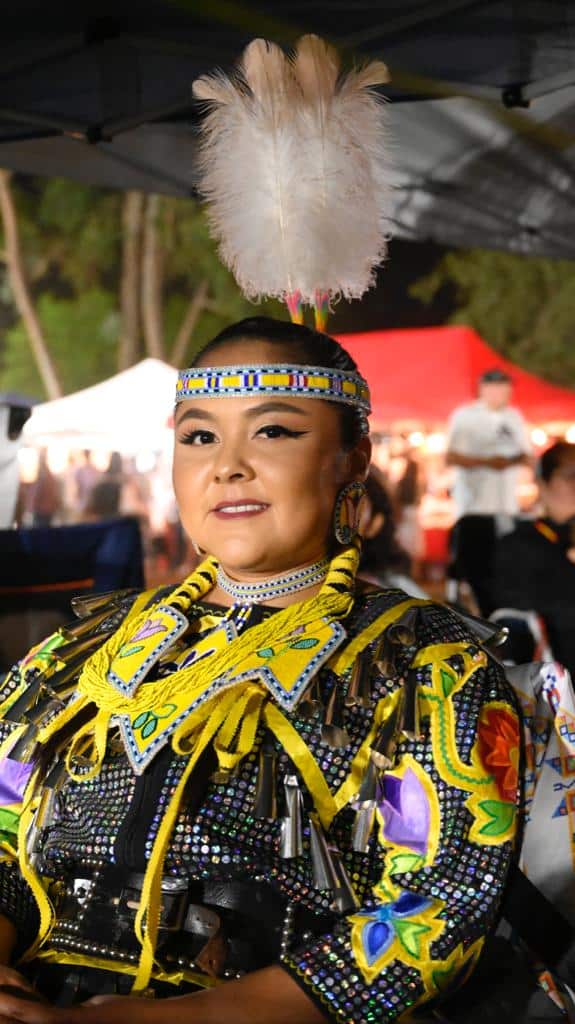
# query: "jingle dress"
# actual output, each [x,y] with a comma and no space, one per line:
[359,835]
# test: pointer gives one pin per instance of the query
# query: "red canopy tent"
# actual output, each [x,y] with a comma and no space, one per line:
[422,375]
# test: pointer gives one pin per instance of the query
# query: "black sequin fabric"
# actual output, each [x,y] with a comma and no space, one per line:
[18,905]
[222,840]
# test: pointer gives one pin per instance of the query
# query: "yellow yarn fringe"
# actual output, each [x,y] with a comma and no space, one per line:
[148,915]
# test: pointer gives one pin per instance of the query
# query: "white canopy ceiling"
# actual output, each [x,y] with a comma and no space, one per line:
[128,413]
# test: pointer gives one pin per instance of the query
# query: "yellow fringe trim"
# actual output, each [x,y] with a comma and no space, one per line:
[45,907]
[148,915]
[54,956]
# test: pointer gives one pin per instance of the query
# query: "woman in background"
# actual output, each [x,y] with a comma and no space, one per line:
[383,560]
[535,565]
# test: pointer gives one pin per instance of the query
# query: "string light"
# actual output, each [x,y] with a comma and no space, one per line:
[539,437]
[416,439]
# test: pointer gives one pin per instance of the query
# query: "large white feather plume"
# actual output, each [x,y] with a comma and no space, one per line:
[294,165]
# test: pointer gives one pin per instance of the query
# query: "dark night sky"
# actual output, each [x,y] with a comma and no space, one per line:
[389,304]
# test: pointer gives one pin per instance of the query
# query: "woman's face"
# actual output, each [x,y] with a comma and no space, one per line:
[256,478]
[558,494]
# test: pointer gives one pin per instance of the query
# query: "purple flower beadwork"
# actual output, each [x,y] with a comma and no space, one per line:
[405,810]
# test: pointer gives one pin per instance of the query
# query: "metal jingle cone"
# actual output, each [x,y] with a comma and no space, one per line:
[56,775]
[363,826]
[333,730]
[42,817]
[306,710]
[489,633]
[369,787]
[345,901]
[311,704]
[365,695]
[80,645]
[365,805]
[291,843]
[383,750]
[87,604]
[410,725]
[57,686]
[265,802]
[73,656]
[76,630]
[404,630]
[26,748]
[60,680]
[352,695]
[17,711]
[385,661]
[50,692]
[325,875]
[359,689]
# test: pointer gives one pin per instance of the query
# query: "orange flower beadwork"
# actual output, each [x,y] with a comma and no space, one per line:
[498,742]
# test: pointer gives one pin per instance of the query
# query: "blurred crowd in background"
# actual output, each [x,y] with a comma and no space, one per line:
[88,487]
[413,489]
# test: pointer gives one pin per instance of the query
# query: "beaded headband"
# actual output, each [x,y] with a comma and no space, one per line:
[332,385]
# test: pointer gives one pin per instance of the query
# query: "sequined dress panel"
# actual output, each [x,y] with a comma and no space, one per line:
[420,920]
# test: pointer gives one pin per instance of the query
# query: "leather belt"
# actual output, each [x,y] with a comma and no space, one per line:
[216,926]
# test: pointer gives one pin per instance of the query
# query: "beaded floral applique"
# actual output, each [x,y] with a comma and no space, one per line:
[136,657]
[404,925]
[398,928]
[491,776]
[408,808]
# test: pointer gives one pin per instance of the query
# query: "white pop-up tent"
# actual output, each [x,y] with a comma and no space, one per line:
[128,413]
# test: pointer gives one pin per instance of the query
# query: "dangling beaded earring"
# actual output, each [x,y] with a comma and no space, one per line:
[347,512]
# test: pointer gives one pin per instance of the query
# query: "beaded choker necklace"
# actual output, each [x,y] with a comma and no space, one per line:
[247,594]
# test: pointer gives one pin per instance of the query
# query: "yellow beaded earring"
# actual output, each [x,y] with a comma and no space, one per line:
[347,512]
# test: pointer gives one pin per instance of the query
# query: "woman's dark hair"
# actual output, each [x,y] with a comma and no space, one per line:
[553,458]
[382,553]
[301,345]
[407,488]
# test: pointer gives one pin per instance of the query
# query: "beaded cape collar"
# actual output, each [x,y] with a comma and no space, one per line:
[276,658]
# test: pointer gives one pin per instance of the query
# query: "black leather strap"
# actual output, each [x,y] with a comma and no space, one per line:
[541,926]
[259,902]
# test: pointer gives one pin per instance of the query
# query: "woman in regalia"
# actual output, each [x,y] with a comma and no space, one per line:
[273,792]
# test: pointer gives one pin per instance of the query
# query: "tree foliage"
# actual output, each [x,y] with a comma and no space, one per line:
[72,240]
[82,333]
[522,306]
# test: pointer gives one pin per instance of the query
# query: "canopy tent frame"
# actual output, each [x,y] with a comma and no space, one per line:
[482,90]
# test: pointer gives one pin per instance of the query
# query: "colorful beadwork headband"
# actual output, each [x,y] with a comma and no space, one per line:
[301,381]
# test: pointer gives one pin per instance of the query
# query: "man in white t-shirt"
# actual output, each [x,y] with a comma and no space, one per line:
[487,442]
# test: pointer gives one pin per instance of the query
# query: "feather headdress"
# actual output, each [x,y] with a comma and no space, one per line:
[294,167]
